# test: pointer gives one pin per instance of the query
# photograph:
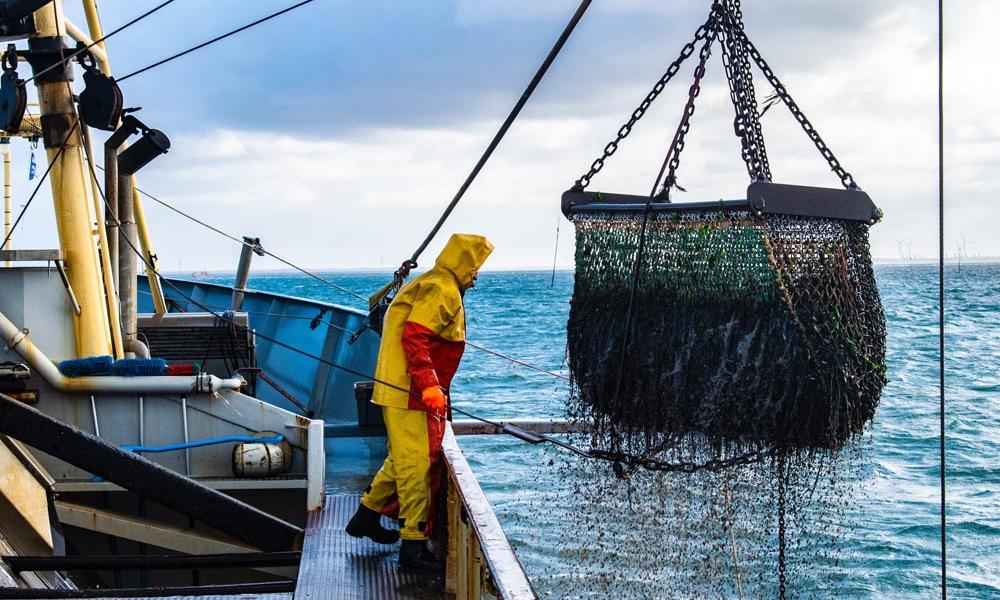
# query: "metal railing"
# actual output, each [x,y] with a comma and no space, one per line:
[480,560]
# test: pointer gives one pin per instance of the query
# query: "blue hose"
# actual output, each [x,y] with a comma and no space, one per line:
[274,439]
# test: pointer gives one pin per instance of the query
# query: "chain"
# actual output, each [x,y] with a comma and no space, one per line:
[736,49]
[741,91]
[685,125]
[845,178]
[712,465]
[703,31]
[781,528]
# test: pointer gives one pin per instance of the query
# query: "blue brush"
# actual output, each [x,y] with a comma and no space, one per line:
[137,367]
[90,365]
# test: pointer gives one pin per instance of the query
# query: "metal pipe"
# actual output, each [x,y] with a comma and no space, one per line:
[243,271]
[94,23]
[145,240]
[111,208]
[93,412]
[146,243]
[104,245]
[127,242]
[63,145]
[5,148]
[288,396]
[187,451]
[80,36]
[17,340]
[31,127]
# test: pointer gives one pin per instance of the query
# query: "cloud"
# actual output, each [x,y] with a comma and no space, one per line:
[339,133]
[333,67]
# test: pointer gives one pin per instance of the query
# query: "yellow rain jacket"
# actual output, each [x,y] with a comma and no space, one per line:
[423,338]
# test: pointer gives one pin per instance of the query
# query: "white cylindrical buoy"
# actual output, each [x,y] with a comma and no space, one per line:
[256,459]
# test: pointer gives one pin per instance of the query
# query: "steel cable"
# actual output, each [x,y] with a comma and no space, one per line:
[550,58]
[941,299]
[346,330]
[244,243]
[48,169]
[214,40]
[98,41]
[542,69]
[331,284]
[222,316]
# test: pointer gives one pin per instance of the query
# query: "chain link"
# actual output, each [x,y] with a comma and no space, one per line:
[703,31]
[736,48]
[713,465]
[845,178]
[746,123]
[685,125]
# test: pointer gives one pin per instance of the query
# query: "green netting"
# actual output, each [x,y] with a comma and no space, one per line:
[747,332]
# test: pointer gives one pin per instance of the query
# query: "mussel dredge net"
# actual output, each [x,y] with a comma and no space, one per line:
[748,334]
[726,331]
[739,343]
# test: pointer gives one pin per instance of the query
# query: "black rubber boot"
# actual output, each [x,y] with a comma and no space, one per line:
[367,523]
[414,554]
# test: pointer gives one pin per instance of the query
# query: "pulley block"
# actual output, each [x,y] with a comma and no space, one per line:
[13,96]
[101,99]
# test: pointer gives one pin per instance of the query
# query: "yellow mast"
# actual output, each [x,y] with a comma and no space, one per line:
[75,224]
[159,303]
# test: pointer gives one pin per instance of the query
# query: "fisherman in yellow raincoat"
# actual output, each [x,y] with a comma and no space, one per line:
[423,338]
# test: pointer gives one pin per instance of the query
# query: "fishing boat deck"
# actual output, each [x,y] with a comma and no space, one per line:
[336,566]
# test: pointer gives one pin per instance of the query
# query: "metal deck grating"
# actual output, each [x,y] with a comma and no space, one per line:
[336,566]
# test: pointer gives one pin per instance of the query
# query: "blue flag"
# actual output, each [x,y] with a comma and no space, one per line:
[31,167]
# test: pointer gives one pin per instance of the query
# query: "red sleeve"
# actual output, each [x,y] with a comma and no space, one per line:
[416,344]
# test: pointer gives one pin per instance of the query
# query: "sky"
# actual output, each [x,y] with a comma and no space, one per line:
[338,132]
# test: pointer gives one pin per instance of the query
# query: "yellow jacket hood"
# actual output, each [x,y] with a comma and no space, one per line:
[463,256]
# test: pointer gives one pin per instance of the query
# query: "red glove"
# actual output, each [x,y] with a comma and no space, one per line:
[433,399]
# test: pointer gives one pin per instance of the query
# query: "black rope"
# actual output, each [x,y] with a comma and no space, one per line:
[941,365]
[215,39]
[586,453]
[48,169]
[98,41]
[407,265]
[223,316]
[323,280]
[328,323]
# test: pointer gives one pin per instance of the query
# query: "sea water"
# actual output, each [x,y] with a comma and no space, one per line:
[891,548]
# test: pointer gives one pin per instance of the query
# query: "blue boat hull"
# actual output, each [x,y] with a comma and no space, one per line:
[326,390]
